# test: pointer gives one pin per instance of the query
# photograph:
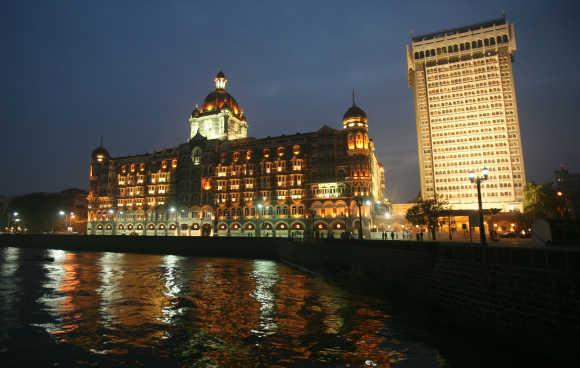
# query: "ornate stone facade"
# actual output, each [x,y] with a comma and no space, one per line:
[219,183]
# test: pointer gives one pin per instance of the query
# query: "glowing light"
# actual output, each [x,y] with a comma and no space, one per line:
[485,172]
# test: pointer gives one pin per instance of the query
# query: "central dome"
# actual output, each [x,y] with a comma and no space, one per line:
[220,99]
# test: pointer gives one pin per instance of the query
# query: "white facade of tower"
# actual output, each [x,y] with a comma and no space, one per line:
[466,115]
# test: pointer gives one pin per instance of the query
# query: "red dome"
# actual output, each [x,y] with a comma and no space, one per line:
[220,99]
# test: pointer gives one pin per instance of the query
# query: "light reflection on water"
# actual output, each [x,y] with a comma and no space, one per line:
[116,309]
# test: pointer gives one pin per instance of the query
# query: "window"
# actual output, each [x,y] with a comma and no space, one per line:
[196,156]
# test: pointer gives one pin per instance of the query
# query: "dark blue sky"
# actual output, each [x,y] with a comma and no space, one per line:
[71,71]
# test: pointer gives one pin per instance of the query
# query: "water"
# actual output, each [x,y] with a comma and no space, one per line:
[64,309]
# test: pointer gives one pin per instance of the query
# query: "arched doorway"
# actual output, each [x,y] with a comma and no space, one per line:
[206,230]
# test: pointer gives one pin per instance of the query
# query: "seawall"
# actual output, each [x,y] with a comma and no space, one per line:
[529,296]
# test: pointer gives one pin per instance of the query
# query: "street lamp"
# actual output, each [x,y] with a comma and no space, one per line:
[259,229]
[473,177]
[67,217]
[359,203]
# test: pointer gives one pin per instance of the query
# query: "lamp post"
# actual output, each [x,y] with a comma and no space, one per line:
[181,213]
[560,205]
[473,177]
[67,218]
[359,203]
[112,214]
[173,211]
[259,225]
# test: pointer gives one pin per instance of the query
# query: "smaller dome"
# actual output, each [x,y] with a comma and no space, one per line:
[354,116]
[355,112]
[100,154]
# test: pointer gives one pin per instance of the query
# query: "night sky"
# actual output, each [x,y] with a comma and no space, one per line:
[132,71]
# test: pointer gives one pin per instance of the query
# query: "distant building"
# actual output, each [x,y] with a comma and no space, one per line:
[467,116]
[222,182]
[567,185]
[4,218]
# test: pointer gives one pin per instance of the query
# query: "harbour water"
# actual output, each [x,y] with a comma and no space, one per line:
[62,309]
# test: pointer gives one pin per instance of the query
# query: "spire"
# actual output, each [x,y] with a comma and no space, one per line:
[220,80]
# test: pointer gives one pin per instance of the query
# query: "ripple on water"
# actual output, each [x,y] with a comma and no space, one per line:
[114,309]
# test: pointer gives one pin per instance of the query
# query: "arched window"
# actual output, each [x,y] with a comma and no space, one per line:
[296,149]
[359,140]
[196,156]
[504,38]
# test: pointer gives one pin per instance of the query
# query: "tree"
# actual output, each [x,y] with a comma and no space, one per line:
[544,201]
[539,201]
[426,213]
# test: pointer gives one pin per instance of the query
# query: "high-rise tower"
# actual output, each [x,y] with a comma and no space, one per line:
[466,114]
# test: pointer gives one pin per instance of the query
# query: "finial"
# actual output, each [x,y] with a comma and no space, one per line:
[353,98]
[503,14]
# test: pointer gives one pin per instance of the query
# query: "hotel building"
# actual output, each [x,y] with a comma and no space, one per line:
[222,182]
[466,115]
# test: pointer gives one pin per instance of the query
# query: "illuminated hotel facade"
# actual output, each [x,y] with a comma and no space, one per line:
[466,115]
[222,182]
